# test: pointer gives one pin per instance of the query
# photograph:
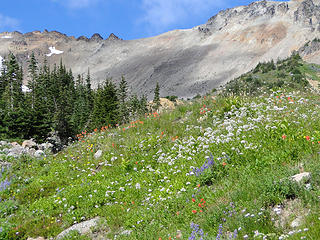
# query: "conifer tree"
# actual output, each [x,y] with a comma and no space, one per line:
[106,105]
[33,75]
[156,100]
[123,94]
[143,105]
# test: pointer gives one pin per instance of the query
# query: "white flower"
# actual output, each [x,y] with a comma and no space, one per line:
[138,186]
[121,189]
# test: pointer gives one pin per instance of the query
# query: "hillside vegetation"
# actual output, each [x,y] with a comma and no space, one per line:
[291,73]
[219,167]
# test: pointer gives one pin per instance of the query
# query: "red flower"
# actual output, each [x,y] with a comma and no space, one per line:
[194,211]
[224,164]
[308,138]
[193,200]
[284,137]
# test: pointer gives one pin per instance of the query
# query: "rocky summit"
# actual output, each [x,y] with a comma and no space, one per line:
[184,62]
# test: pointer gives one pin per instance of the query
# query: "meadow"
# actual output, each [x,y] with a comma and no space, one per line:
[213,168]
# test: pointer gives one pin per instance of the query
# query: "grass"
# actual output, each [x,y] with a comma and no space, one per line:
[154,177]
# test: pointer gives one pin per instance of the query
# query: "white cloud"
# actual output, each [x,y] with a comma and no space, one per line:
[76,3]
[161,14]
[8,23]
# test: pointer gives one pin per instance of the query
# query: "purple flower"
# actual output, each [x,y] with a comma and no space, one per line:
[4,185]
[196,231]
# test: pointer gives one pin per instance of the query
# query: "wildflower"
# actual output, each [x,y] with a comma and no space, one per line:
[194,211]
[307,138]
[224,164]
[193,200]
[284,137]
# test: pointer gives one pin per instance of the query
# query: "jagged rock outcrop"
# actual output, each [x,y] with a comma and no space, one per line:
[184,62]
[96,37]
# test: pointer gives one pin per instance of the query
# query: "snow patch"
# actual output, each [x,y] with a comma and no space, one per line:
[53,50]
[25,89]
[6,37]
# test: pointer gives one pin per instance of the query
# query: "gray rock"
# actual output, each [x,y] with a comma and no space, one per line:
[302,176]
[126,232]
[15,144]
[31,151]
[45,146]
[16,151]
[39,153]
[5,150]
[29,144]
[98,154]
[3,143]
[82,228]
[297,222]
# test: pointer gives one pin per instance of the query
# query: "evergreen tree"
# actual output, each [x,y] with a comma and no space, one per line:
[143,105]
[33,75]
[64,101]
[106,103]
[123,94]
[156,100]
[13,92]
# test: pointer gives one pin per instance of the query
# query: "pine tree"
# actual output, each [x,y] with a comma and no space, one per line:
[33,75]
[13,93]
[64,101]
[156,100]
[123,94]
[143,105]
[15,115]
[106,103]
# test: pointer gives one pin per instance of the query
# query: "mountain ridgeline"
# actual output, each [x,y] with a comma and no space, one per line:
[184,62]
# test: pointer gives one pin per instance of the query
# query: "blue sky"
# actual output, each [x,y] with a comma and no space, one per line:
[128,19]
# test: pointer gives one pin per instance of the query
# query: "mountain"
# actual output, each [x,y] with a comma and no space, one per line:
[184,62]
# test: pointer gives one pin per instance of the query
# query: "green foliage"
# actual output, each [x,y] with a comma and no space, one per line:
[172,98]
[57,103]
[156,99]
[106,105]
[290,73]
[145,180]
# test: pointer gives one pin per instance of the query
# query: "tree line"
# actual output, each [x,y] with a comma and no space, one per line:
[55,101]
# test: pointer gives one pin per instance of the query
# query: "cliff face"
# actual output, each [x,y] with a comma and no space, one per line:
[184,62]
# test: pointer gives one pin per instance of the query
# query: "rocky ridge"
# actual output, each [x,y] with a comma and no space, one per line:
[184,62]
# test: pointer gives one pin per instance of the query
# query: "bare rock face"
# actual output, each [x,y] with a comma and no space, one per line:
[96,37]
[183,62]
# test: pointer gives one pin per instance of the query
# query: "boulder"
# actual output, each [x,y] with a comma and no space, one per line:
[3,143]
[15,144]
[45,146]
[98,154]
[39,153]
[29,144]
[38,238]
[82,228]
[16,151]
[297,222]
[301,176]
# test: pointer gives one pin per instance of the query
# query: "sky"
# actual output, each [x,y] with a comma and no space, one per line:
[128,19]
